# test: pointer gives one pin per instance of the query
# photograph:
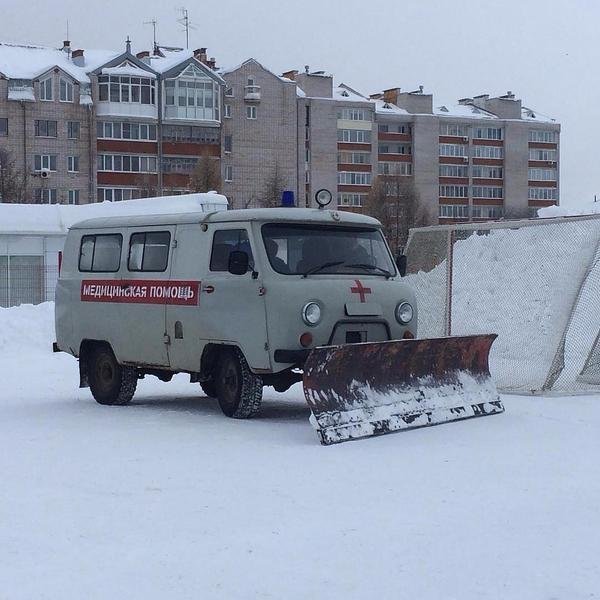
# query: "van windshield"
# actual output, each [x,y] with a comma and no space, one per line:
[301,249]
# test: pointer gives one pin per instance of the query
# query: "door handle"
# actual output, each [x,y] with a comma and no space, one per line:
[208,289]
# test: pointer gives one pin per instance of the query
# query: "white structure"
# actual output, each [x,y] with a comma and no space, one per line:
[32,238]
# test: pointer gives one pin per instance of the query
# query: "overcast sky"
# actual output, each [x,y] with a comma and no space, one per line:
[546,51]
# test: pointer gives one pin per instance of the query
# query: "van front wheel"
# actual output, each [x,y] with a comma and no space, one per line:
[239,390]
[110,382]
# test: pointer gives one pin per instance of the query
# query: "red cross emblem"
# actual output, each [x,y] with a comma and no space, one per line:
[361,290]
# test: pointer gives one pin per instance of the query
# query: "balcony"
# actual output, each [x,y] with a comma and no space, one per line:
[252,93]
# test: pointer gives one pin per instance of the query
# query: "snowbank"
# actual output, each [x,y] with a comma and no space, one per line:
[27,329]
[591,208]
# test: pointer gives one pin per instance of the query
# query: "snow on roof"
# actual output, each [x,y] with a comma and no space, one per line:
[57,218]
[591,208]
[467,111]
[528,114]
[345,92]
[385,108]
[29,62]
[128,70]
[171,59]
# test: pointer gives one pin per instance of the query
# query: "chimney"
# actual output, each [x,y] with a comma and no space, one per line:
[391,96]
[377,96]
[78,58]
[200,54]
[66,46]
[290,74]
[465,101]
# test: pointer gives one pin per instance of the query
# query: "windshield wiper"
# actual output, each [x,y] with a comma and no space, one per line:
[321,267]
[371,268]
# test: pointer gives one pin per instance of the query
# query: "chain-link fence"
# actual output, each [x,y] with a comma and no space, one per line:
[26,280]
[536,283]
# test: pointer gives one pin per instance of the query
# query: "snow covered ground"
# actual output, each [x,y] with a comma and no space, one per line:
[166,498]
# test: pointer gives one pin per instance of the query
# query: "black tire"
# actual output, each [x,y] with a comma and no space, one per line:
[239,390]
[110,382]
[209,388]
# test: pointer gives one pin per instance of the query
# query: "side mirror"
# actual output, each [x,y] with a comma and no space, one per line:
[238,262]
[401,263]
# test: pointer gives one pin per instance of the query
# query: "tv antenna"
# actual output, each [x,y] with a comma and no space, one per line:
[153,23]
[187,25]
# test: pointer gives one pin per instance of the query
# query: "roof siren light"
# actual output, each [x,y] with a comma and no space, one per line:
[287,199]
[323,198]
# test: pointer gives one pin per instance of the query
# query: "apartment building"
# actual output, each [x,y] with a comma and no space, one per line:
[84,126]
[259,144]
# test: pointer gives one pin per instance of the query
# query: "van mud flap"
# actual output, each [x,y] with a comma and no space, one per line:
[361,390]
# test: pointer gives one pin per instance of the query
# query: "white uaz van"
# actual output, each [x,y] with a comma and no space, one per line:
[237,299]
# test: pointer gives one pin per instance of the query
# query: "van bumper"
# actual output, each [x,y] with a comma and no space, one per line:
[294,357]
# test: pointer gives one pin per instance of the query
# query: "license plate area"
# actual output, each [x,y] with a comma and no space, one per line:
[348,332]
[356,337]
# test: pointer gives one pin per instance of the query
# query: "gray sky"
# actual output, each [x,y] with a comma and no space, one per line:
[546,51]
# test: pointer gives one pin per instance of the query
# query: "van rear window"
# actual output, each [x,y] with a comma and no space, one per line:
[149,251]
[100,253]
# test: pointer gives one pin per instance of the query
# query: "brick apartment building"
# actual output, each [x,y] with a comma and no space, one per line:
[81,126]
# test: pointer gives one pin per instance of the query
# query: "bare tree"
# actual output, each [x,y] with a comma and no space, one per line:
[275,184]
[395,202]
[11,180]
[147,184]
[206,177]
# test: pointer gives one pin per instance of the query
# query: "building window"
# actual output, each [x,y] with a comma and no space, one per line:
[355,114]
[4,126]
[487,191]
[394,168]
[487,212]
[352,178]
[454,129]
[126,131]
[73,196]
[126,163]
[73,130]
[251,112]
[228,173]
[45,128]
[541,154]
[73,164]
[454,171]
[149,251]
[46,89]
[354,158]
[229,92]
[227,111]
[488,133]
[395,149]
[540,135]
[136,90]
[358,136]
[191,133]
[116,194]
[454,211]
[488,151]
[100,253]
[543,193]
[44,162]
[485,172]
[454,191]
[227,143]
[349,199]
[542,174]
[193,95]
[45,196]
[66,90]
[179,164]
[453,150]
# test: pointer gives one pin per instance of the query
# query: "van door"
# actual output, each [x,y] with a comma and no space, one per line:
[231,308]
[146,290]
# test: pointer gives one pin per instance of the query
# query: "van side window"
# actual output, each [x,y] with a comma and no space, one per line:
[225,242]
[149,251]
[100,253]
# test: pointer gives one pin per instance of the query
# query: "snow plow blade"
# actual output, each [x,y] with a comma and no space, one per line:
[362,390]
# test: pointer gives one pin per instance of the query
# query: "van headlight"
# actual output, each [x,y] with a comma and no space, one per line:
[311,313]
[404,313]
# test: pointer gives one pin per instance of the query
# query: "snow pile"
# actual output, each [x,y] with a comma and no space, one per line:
[27,329]
[592,208]
[521,284]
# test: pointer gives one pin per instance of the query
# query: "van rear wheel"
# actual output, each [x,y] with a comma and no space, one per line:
[239,390]
[110,382]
